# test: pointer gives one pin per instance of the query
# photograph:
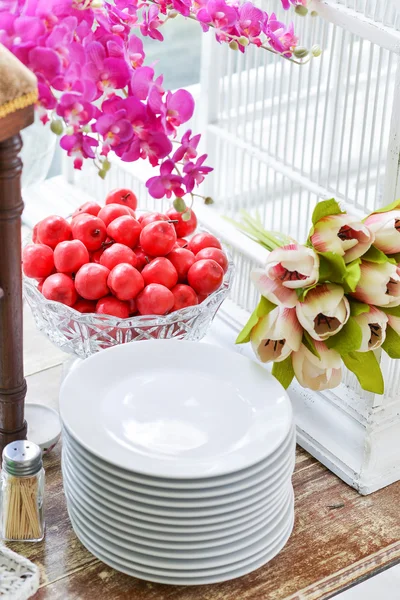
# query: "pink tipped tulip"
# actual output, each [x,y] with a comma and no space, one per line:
[324,311]
[373,329]
[394,323]
[276,335]
[386,227]
[287,269]
[342,234]
[379,284]
[314,373]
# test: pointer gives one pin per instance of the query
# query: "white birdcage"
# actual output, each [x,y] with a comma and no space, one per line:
[281,137]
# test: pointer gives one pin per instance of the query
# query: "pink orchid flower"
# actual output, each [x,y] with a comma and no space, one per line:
[46,101]
[250,20]
[324,311]
[195,172]
[115,129]
[153,146]
[78,146]
[287,269]
[276,335]
[151,22]
[179,108]
[109,74]
[386,228]
[165,184]
[315,373]
[280,36]
[75,110]
[188,148]
[218,13]
[342,234]
[379,284]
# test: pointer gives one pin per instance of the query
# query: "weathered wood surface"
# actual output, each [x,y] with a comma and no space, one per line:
[338,539]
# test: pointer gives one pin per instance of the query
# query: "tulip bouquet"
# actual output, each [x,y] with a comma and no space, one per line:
[97,92]
[333,300]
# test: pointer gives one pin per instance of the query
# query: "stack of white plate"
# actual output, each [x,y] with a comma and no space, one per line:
[177,461]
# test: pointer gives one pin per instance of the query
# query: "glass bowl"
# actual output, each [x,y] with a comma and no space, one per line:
[84,334]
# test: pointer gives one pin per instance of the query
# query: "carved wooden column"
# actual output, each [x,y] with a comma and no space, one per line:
[17,95]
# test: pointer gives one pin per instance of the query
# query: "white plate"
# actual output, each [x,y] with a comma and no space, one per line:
[44,427]
[176,532]
[178,540]
[272,487]
[151,548]
[116,563]
[175,409]
[222,485]
[111,486]
[190,567]
[160,523]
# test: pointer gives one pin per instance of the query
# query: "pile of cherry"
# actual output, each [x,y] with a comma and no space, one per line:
[108,261]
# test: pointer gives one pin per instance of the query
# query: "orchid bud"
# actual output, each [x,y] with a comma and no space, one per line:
[243,41]
[106,165]
[316,50]
[301,10]
[102,173]
[300,52]
[208,200]
[57,126]
[186,215]
[179,205]
[172,14]
[69,130]
[233,45]
[314,13]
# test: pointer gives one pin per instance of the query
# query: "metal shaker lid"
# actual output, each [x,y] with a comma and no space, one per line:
[22,458]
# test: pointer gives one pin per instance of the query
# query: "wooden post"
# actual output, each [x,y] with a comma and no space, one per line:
[12,382]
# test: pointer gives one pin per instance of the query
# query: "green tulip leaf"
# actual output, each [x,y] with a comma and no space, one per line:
[352,276]
[375,255]
[283,371]
[391,345]
[331,267]
[309,344]
[394,311]
[357,307]
[387,208]
[264,307]
[325,208]
[348,339]
[366,368]
[395,258]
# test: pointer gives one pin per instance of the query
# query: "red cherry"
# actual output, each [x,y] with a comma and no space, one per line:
[142,258]
[60,288]
[91,281]
[184,296]
[182,260]
[89,208]
[181,243]
[215,254]
[182,227]
[203,240]
[40,284]
[112,211]
[112,306]
[122,196]
[205,276]
[125,282]
[53,230]
[35,234]
[132,307]
[162,271]
[90,230]
[155,299]
[202,297]
[158,238]
[125,230]
[37,261]
[70,256]
[85,306]
[151,218]
[116,255]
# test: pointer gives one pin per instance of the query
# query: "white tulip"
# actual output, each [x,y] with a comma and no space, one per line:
[379,284]
[276,335]
[373,329]
[287,269]
[314,373]
[324,311]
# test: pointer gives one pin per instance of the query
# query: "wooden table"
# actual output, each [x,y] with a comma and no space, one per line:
[339,538]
